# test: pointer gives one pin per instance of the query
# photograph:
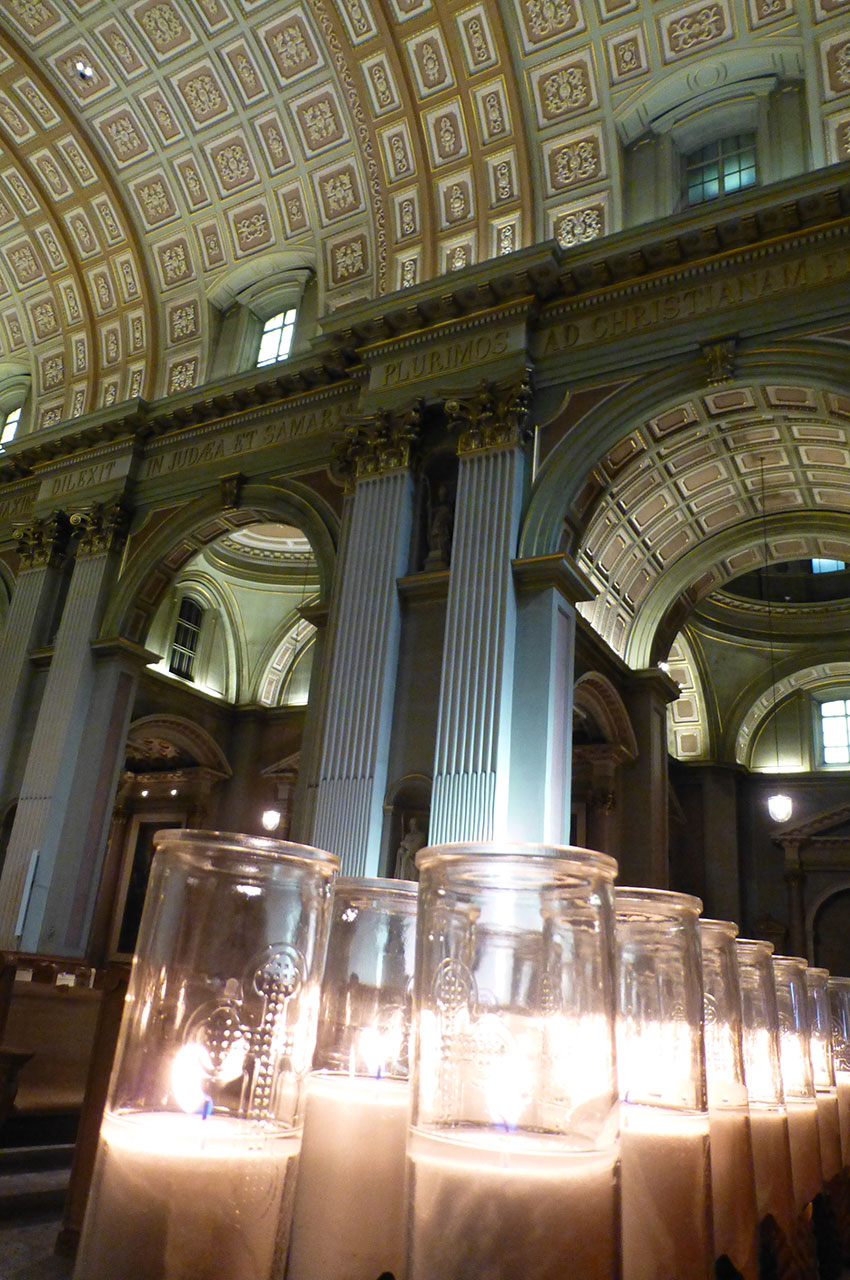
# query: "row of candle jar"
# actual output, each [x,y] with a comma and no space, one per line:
[461,1118]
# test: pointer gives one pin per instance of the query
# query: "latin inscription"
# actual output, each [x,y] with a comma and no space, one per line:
[688,304]
[435,361]
[83,478]
[15,508]
[247,440]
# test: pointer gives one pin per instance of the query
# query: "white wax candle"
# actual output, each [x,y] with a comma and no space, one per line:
[772,1164]
[350,1200]
[804,1141]
[513,1206]
[666,1194]
[733,1194]
[842,1080]
[829,1132]
[177,1197]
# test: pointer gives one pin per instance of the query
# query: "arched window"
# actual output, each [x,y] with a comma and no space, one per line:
[267,311]
[186,634]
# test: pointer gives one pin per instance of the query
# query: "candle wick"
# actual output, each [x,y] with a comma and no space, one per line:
[206,1109]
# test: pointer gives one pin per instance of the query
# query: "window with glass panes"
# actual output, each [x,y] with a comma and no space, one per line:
[186,633]
[828,566]
[10,426]
[721,168]
[277,337]
[835,731]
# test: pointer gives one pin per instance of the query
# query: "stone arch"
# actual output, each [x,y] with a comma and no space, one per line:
[664,466]
[180,736]
[595,696]
[774,694]
[154,559]
[289,642]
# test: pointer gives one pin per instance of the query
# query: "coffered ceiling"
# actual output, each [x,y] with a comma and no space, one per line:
[382,141]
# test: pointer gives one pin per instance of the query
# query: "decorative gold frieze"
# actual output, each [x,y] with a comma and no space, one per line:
[102,527]
[376,446]
[42,542]
[493,417]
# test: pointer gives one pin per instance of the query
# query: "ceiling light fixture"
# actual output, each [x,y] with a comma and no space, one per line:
[779,806]
[83,70]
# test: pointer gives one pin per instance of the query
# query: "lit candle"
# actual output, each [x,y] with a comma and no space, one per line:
[349,1217]
[733,1189]
[839,1001]
[763,1076]
[181,1196]
[513,1206]
[667,1227]
[350,1214]
[823,1072]
[796,1060]
[666,1170]
[804,1141]
[772,1165]
[195,1172]
[513,1168]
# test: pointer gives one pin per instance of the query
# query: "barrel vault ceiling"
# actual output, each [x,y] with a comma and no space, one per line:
[209,143]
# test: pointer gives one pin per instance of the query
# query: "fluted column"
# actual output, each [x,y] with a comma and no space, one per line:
[41,548]
[52,815]
[363,643]
[645,851]
[472,758]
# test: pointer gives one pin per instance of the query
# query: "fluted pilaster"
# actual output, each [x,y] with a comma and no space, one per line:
[365,627]
[41,546]
[47,793]
[471,769]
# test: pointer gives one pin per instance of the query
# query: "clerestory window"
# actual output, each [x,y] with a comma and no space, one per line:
[10,426]
[185,644]
[276,340]
[720,168]
[835,731]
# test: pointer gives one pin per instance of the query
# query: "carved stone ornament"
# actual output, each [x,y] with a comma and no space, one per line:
[42,542]
[380,444]
[103,526]
[720,358]
[231,491]
[493,417]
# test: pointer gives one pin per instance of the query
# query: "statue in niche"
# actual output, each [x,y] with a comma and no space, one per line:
[412,841]
[440,529]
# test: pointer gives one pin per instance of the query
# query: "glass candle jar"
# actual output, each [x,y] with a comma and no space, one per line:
[823,1072]
[839,1006]
[732,1180]
[792,1000]
[350,1204]
[763,1074]
[667,1228]
[202,1128]
[513,1151]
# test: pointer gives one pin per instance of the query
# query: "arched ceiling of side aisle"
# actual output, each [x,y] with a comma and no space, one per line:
[685,500]
[387,140]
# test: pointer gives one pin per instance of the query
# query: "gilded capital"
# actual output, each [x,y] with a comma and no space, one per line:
[42,542]
[495,416]
[376,446]
[102,527]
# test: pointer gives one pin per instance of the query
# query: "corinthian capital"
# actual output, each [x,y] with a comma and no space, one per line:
[383,443]
[495,416]
[103,526]
[42,542]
